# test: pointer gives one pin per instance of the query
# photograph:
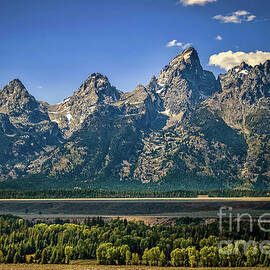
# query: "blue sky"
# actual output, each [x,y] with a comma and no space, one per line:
[54,45]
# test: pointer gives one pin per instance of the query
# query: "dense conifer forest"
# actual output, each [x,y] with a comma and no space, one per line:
[186,242]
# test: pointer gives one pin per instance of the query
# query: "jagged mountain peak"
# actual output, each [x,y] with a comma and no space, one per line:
[256,81]
[15,87]
[153,84]
[186,65]
[244,65]
[16,83]
[25,125]
[98,89]
[188,60]
[97,77]
[95,91]
[267,63]
[139,87]
[96,82]
[139,94]
[183,82]
[153,79]
[143,92]
[241,69]
[16,100]
[189,55]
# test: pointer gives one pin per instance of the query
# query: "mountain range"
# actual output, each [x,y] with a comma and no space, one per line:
[185,129]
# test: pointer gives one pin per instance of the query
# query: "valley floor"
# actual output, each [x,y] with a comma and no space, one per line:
[49,209]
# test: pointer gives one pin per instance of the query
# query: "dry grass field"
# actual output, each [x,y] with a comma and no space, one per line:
[177,207]
[99,267]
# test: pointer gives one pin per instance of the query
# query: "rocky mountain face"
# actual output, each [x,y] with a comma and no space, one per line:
[26,130]
[184,83]
[71,113]
[184,128]
[244,104]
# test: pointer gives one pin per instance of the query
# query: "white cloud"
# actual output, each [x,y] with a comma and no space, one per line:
[219,37]
[40,87]
[251,18]
[196,2]
[175,43]
[236,17]
[241,13]
[228,60]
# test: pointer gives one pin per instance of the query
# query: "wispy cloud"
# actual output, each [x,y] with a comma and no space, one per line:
[196,2]
[228,60]
[219,37]
[175,43]
[39,86]
[236,17]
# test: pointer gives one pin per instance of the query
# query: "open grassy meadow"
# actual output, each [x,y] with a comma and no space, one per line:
[166,207]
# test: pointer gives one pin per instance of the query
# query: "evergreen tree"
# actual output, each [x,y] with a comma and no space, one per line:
[135,259]
[17,258]
[162,259]
[44,259]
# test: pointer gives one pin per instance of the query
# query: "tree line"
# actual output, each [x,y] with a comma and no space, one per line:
[186,242]
[98,193]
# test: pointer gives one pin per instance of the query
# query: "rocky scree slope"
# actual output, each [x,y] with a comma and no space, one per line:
[184,128]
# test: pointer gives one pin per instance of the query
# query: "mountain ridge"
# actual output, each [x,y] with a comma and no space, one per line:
[182,127]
